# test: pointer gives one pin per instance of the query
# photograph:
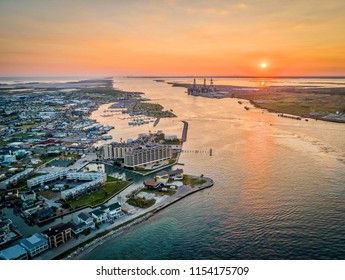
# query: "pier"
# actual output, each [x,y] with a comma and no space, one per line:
[156,121]
[184,132]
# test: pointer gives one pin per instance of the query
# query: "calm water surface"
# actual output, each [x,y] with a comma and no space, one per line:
[279,189]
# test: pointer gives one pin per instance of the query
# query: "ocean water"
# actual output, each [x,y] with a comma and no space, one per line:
[279,187]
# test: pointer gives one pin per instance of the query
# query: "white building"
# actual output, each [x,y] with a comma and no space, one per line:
[117,150]
[15,178]
[41,180]
[35,244]
[145,155]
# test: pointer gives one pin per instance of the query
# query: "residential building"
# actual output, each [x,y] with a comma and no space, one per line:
[145,155]
[15,252]
[28,196]
[117,150]
[152,184]
[98,178]
[100,216]
[86,220]
[176,174]
[114,210]
[58,234]
[16,178]
[162,177]
[35,244]
[41,180]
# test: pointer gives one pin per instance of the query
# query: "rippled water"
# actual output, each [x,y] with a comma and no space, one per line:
[279,189]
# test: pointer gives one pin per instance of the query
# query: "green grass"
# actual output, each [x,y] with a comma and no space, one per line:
[159,193]
[187,180]
[141,202]
[172,142]
[96,198]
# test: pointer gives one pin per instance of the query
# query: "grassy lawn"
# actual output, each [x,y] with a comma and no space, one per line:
[187,180]
[159,193]
[100,196]
[48,194]
[172,142]
[141,202]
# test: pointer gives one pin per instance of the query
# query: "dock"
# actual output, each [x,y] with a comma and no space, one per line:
[156,121]
[184,132]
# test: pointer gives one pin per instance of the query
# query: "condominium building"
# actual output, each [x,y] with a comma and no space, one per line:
[41,180]
[145,155]
[117,150]
[58,234]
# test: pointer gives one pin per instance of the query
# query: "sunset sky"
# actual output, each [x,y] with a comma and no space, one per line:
[138,37]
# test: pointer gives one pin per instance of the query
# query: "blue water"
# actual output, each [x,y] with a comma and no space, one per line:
[279,187]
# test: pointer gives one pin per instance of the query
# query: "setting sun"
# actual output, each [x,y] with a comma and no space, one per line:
[263,65]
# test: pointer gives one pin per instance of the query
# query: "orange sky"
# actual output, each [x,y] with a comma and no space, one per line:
[138,37]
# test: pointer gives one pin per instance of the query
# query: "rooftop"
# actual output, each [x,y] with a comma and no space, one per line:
[56,229]
[13,252]
[33,241]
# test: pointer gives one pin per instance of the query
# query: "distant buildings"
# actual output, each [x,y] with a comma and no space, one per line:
[199,89]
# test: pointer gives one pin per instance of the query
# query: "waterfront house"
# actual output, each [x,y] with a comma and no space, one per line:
[35,244]
[58,234]
[86,220]
[15,252]
[76,228]
[114,210]
[152,184]
[100,216]
[176,174]
[162,177]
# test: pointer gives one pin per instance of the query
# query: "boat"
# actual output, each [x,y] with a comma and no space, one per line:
[246,107]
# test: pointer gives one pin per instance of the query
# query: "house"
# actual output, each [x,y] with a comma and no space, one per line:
[35,244]
[162,177]
[101,216]
[15,252]
[176,174]
[28,196]
[5,229]
[44,214]
[114,210]
[76,228]
[152,184]
[86,220]
[58,234]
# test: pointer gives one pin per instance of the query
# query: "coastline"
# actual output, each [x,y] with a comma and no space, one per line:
[85,247]
[325,104]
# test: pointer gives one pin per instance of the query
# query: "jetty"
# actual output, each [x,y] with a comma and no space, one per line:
[184,132]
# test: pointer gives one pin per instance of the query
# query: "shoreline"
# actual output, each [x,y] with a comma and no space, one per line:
[276,99]
[80,251]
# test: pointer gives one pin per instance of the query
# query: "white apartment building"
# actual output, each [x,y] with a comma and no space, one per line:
[145,155]
[117,150]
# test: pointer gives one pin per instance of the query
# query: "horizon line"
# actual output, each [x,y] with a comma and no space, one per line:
[176,76]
